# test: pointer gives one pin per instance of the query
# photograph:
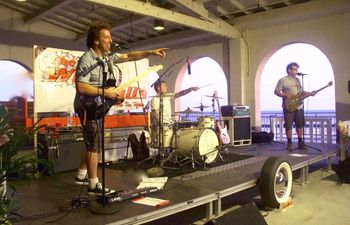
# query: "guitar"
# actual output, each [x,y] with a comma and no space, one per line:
[293,102]
[220,126]
[93,104]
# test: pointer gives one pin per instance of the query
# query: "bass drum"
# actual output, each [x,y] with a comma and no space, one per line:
[202,142]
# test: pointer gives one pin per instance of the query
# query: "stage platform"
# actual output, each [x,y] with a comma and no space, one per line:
[49,198]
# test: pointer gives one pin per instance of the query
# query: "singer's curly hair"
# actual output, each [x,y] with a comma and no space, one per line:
[157,85]
[94,32]
[289,66]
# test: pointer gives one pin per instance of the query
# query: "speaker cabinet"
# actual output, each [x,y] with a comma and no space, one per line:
[248,214]
[239,130]
[65,156]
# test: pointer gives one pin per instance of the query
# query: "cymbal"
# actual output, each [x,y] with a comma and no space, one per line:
[164,95]
[188,111]
[201,106]
[214,96]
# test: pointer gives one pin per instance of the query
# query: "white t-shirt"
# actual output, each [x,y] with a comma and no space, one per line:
[166,110]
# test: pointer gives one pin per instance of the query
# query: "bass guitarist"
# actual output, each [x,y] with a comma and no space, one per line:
[89,77]
[289,89]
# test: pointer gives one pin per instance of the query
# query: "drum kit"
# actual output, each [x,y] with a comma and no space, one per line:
[198,142]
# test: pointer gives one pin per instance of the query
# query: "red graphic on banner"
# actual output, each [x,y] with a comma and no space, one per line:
[59,68]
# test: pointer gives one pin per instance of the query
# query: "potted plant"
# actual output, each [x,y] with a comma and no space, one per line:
[14,163]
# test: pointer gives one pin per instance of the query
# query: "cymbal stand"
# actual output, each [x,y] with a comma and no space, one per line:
[213,106]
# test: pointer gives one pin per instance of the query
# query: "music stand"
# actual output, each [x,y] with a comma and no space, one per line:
[302,89]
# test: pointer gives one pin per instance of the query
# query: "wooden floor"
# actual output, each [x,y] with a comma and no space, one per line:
[49,199]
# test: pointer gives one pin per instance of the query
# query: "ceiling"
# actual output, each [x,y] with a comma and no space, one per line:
[132,20]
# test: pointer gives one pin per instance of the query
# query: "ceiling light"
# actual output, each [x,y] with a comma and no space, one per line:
[158,24]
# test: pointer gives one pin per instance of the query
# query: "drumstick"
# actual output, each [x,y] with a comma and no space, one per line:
[206,85]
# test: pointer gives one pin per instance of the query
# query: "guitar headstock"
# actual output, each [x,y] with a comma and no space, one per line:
[330,83]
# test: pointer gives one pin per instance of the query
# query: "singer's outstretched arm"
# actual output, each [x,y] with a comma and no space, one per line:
[136,55]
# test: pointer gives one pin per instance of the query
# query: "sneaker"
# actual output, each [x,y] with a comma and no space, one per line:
[290,147]
[83,181]
[97,191]
[302,146]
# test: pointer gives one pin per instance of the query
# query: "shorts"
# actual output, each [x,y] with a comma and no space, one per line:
[296,117]
[91,132]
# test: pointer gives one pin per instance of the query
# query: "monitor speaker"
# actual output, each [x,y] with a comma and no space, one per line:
[248,214]
[239,130]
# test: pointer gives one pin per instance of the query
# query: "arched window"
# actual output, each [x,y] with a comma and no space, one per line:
[16,80]
[313,63]
[207,74]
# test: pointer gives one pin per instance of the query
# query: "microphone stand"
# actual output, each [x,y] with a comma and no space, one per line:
[302,89]
[95,208]
[161,105]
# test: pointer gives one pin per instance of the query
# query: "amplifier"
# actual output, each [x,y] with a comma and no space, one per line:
[235,110]
[239,130]
[63,149]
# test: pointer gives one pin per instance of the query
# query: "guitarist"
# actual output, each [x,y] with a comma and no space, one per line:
[89,83]
[286,88]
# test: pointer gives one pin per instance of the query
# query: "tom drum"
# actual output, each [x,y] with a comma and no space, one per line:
[206,122]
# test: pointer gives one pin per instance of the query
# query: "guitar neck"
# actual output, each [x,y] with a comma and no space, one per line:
[145,73]
[316,91]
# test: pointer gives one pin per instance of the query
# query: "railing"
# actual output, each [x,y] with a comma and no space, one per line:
[320,127]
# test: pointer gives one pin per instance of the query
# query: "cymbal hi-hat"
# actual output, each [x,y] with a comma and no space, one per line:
[188,111]
[214,96]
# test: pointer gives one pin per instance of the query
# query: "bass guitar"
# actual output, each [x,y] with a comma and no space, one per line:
[220,125]
[293,102]
[93,104]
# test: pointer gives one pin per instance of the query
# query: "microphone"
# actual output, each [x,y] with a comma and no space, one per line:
[188,66]
[301,74]
[116,47]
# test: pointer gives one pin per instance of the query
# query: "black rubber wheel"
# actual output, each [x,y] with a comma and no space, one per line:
[275,183]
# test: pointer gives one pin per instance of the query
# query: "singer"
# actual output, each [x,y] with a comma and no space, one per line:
[91,67]
[290,90]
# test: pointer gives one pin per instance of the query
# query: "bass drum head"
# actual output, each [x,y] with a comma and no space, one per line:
[207,145]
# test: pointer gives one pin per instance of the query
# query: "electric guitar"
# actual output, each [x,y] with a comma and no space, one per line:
[220,126]
[93,104]
[293,102]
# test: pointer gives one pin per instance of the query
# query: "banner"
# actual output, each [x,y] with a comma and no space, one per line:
[54,81]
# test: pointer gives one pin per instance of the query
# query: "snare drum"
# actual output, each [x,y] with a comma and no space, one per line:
[206,122]
[202,142]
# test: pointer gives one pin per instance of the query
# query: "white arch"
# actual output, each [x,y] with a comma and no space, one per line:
[311,60]
[16,80]
[205,73]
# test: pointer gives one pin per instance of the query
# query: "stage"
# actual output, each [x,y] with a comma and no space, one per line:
[49,198]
